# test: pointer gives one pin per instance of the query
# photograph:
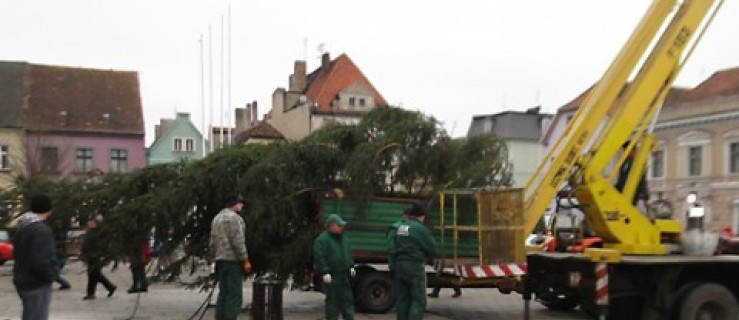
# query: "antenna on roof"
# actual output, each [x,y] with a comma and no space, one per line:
[305,49]
[321,49]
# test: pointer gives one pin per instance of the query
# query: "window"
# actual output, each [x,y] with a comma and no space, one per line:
[118,160]
[49,159]
[4,155]
[695,160]
[177,144]
[658,164]
[190,145]
[734,157]
[352,101]
[487,125]
[361,102]
[83,160]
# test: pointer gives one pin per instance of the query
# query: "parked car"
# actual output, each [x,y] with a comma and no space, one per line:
[6,247]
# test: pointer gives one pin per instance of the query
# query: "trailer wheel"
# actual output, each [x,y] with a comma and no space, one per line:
[375,292]
[708,301]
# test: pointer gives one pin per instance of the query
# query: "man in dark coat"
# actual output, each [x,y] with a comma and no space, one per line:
[93,260]
[35,259]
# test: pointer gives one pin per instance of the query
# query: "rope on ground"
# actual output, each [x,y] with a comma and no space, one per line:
[138,297]
[204,306]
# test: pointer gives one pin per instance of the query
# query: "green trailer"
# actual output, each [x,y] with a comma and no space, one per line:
[475,242]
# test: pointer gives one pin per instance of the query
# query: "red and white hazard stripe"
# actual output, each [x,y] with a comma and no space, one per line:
[491,271]
[601,285]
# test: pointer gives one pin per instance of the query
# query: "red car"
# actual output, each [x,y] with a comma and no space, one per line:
[6,247]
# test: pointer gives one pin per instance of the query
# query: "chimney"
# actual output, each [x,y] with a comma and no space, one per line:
[325,60]
[254,112]
[157,131]
[242,119]
[297,79]
[534,110]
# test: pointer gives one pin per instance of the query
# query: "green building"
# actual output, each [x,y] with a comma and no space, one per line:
[177,139]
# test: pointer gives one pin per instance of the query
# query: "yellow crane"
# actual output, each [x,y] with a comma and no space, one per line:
[637,275]
[619,110]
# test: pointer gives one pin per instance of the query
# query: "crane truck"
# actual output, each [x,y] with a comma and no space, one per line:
[643,270]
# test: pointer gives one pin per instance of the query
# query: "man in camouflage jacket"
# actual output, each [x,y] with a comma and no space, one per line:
[228,247]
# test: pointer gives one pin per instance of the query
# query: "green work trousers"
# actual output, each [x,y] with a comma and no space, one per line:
[230,280]
[339,299]
[411,290]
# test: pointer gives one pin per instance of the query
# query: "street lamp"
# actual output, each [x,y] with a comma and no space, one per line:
[695,212]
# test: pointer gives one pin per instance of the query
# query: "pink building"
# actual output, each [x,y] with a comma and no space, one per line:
[80,120]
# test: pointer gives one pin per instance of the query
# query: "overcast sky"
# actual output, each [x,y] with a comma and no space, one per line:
[449,59]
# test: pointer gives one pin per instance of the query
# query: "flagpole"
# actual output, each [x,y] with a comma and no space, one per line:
[210,83]
[229,105]
[202,95]
[221,83]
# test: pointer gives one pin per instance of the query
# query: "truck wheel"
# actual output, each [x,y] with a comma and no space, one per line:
[559,304]
[557,301]
[708,301]
[375,292]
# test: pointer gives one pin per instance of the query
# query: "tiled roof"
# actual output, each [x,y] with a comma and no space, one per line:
[325,82]
[163,127]
[76,99]
[12,78]
[675,95]
[721,83]
[261,130]
[575,103]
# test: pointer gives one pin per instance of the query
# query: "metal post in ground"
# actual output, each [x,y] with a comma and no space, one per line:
[601,289]
[526,305]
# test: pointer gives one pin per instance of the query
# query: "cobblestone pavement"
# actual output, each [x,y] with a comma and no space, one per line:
[172,301]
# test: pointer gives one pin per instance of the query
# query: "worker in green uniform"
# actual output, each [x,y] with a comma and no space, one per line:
[414,245]
[391,230]
[334,261]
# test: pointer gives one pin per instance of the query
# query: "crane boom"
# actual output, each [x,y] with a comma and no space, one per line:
[617,111]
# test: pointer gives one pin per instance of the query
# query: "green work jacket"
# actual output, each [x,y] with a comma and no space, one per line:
[333,254]
[414,242]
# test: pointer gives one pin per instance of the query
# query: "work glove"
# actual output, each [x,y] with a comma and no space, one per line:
[327,278]
[352,272]
[247,266]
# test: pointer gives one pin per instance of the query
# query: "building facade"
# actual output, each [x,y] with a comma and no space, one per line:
[522,132]
[698,150]
[71,121]
[12,156]
[177,139]
[335,92]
